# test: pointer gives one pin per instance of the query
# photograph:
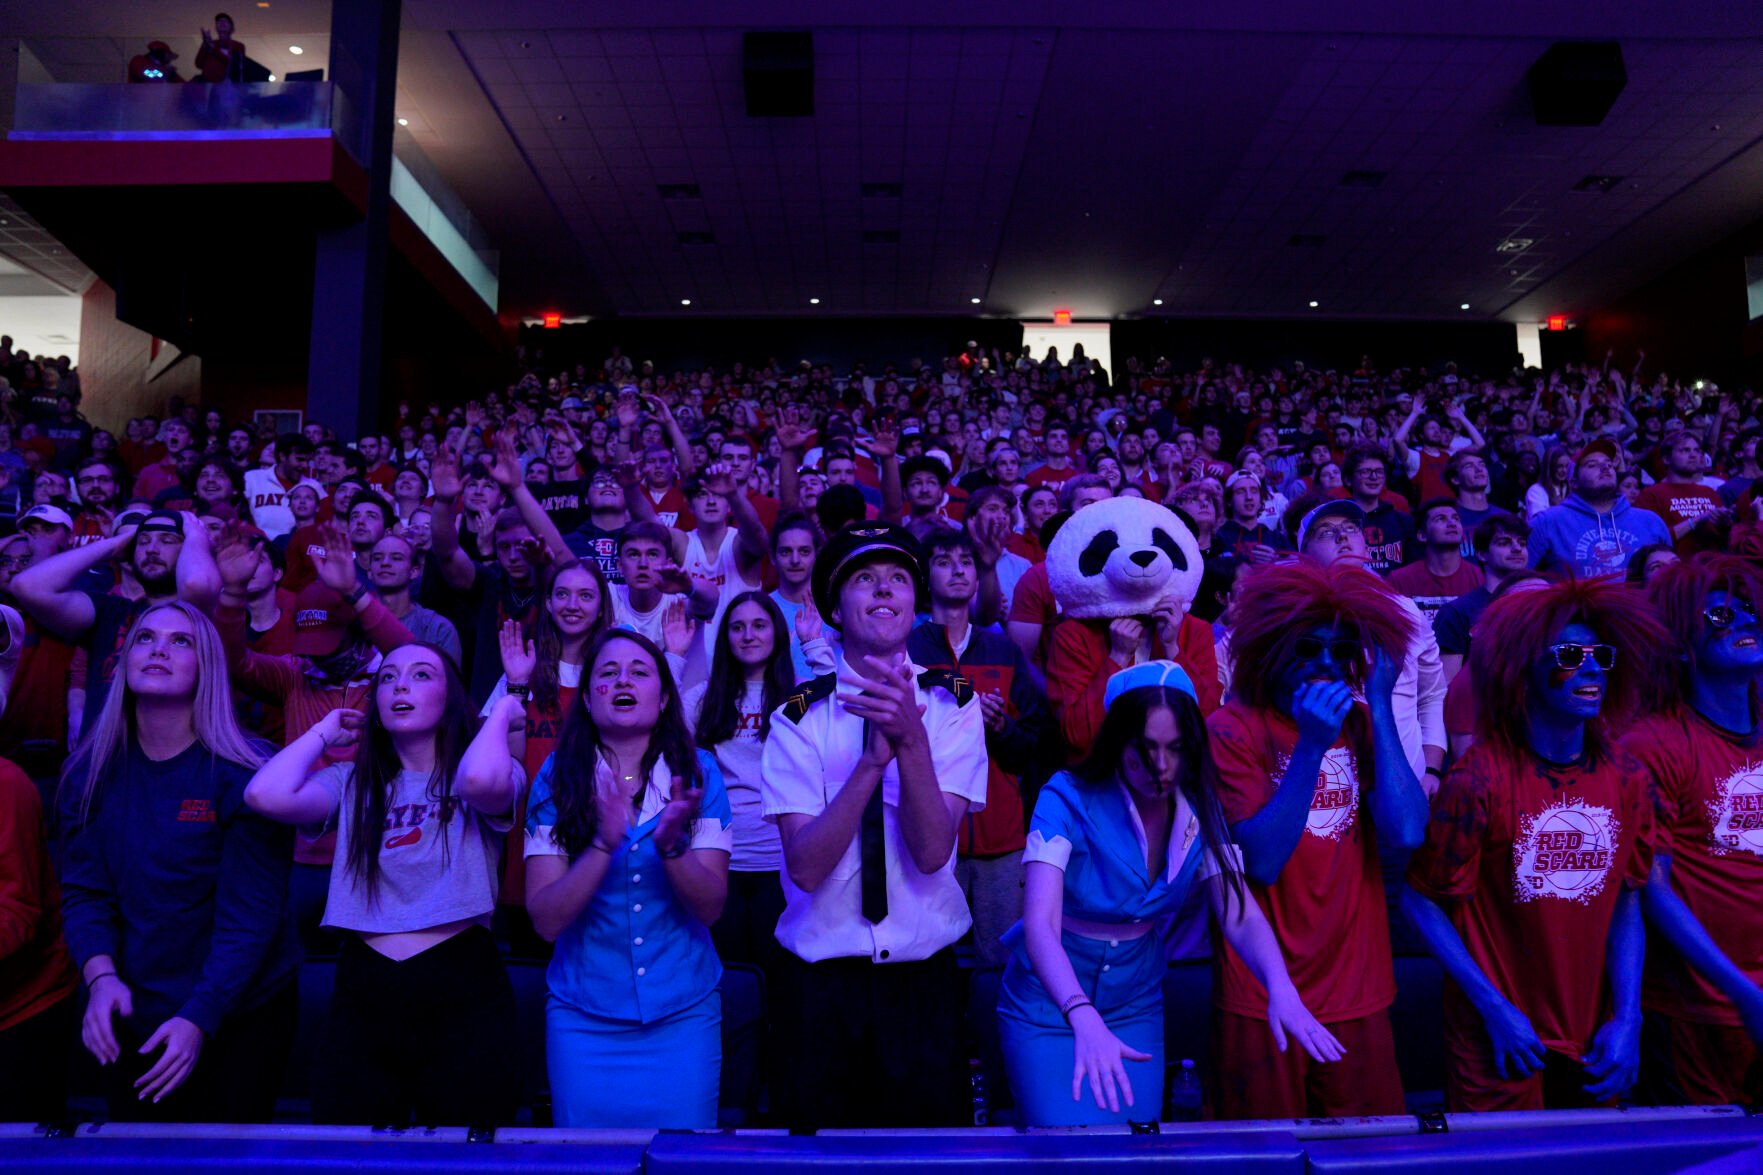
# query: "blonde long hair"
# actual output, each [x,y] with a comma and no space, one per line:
[216,722]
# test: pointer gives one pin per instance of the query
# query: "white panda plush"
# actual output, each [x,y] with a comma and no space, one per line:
[1121,556]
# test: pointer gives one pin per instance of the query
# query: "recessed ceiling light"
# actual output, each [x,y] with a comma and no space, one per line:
[814,301]
[975,301]
[272,77]
[295,50]
[1465,306]
[1314,303]
[685,301]
[1156,301]
[403,122]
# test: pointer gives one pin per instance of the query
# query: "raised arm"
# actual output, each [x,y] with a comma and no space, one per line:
[884,448]
[792,444]
[456,566]
[506,471]
[1398,802]
[286,789]
[751,542]
[1269,837]
[488,778]
[197,578]
[682,447]
[46,591]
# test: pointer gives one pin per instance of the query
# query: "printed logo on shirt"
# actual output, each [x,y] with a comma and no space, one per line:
[1565,852]
[1335,806]
[410,818]
[408,837]
[1604,549]
[1735,814]
[196,812]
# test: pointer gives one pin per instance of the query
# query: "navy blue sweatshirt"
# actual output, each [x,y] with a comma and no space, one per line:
[184,886]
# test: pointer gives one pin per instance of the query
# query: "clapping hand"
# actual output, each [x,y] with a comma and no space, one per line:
[673,828]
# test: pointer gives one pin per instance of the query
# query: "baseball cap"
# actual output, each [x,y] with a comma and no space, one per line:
[162,49]
[1603,445]
[1333,508]
[162,520]
[1164,673]
[321,621]
[1242,477]
[572,402]
[53,515]
[855,547]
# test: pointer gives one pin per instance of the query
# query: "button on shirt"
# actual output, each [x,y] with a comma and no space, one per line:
[634,954]
[805,765]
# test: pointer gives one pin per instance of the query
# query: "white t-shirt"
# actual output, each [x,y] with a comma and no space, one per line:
[267,499]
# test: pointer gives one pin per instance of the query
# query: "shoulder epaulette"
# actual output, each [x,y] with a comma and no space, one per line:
[806,693]
[956,684]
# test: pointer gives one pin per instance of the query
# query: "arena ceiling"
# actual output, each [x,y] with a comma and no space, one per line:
[1230,159]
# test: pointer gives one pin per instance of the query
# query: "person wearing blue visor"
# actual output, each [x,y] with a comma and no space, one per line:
[1115,845]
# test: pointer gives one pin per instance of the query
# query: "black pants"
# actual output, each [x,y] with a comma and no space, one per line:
[236,1079]
[872,1044]
[429,1041]
[747,930]
[33,1063]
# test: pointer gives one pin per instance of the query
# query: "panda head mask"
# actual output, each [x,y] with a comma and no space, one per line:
[1119,557]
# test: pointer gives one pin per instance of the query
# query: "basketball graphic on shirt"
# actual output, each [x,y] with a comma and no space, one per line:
[1564,851]
[1735,814]
[1335,806]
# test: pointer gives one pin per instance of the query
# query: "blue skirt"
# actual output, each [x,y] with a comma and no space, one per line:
[1040,1051]
[663,1075]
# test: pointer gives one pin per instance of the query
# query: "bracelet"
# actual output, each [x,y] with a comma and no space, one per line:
[1435,773]
[1080,1000]
[523,690]
[97,977]
[676,852]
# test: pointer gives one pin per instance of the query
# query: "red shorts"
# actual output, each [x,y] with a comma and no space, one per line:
[1711,1064]
[1472,1084]
[1256,1080]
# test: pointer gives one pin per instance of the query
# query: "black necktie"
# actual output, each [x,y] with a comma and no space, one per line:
[875,858]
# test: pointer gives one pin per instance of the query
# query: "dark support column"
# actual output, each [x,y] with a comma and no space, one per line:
[349,269]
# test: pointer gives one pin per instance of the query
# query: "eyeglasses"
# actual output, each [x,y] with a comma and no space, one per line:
[1340,532]
[1725,615]
[1571,656]
[14,563]
[1342,651]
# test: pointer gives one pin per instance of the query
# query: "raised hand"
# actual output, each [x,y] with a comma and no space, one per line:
[1380,684]
[237,559]
[884,440]
[719,479]
[791,436]
[1167,615]
[809,626]
[886,698]
[677,628]
[989,536]
[1124,637]
[506,466]
[336,566]
[518,655]
[612,811]
[628,411]
[444,474]
[673,828]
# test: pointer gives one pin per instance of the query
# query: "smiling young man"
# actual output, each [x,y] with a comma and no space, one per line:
[869,775]
[1526,889]
[1702,1003]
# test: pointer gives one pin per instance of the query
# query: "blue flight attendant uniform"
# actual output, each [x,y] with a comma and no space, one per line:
[1094,835]
[633,1025]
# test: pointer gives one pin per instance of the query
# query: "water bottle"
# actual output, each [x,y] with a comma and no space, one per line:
[1184,1097]
[976,1078]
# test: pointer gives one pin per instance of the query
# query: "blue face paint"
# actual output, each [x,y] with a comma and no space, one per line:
[1725,659]
[1561,700]
[1320,667]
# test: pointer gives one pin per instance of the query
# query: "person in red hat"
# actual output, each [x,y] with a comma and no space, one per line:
[1595,530]
[331,667]
[155,65]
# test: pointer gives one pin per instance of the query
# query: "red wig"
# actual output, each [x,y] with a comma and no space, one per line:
[1515,629]
[1280,603]
[1679,595]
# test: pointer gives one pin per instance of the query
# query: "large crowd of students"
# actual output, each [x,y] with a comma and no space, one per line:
[841,676]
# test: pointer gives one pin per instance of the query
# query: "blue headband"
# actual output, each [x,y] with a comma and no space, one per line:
[1164,673]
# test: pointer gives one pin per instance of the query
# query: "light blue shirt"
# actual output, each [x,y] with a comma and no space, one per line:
[635,953]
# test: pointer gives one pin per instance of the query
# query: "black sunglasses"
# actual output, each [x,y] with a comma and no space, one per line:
[1572,656]
[1342,650]
[1725,615]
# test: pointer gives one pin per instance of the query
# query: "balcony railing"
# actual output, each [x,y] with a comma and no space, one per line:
[122,112]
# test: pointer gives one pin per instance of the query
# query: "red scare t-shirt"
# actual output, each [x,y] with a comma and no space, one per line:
[1528,858]
[1708,800]
[1327,908]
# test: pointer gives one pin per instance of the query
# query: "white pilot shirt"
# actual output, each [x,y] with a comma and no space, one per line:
[805,765]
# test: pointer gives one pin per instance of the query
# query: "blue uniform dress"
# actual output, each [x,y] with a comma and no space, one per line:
[633,1026]
[1094,834]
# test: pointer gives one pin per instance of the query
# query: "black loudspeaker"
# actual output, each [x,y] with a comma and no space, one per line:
[778,72]
[1576,82]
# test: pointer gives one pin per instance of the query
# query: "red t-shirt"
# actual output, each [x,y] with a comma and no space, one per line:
[1032,603]
[1327,909]
[1529,858]
[1678,503]
[1432,592]
[1046,475]
[543,728]
[1708,800]
[671,508]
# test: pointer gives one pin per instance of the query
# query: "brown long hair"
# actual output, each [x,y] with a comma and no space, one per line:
[548,638]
